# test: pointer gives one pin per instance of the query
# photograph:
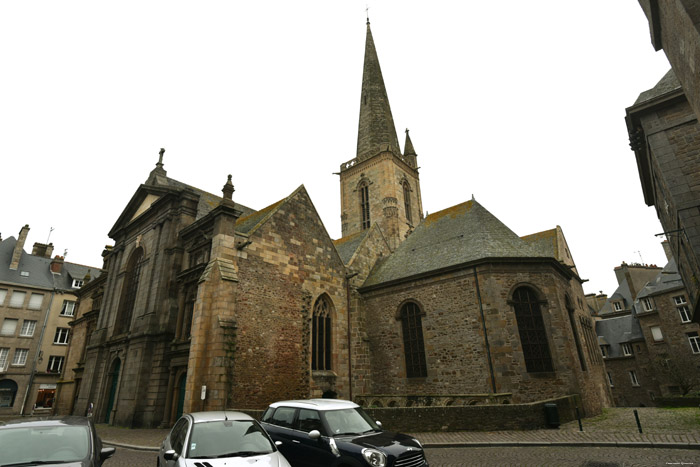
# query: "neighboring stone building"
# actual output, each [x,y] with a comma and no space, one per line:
[650,346]
[37,304]
[665,135]
[208,304]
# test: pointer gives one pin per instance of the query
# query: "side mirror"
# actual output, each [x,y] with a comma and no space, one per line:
[170,455]
[106,453]
[314,434]
[379,424]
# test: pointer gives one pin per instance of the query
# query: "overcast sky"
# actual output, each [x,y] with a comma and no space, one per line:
[520,104]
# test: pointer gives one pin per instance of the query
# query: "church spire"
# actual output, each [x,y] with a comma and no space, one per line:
[408,146]
[376,131]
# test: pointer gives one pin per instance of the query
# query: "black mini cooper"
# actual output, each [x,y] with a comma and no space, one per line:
[337,433]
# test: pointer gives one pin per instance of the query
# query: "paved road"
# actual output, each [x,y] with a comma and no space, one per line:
[503,456]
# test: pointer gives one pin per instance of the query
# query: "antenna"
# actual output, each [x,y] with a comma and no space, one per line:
[640,256]
[65,252]
[47,238]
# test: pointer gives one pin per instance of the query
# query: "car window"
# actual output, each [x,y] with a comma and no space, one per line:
[177,435]
[283,416]
[349,421]
[46,444]
[228,438]
[309,420]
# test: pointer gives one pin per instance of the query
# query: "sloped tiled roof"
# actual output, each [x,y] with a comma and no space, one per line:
[346,246]
[207,201]
[36,269]
[622,293]
[668,279]
[545,242]
[457,235]
[245,224]
[667,84]
[618,330]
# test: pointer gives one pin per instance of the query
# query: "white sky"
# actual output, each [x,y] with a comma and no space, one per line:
[519,103]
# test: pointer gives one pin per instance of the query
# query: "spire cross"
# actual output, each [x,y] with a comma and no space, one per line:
[367,12]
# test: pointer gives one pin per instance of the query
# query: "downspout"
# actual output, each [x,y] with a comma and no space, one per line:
[38,352]
[486,336]
[349,331]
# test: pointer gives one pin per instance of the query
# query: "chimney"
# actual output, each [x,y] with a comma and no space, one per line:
[56,265]
[19,247]
[42,249]
[667,249]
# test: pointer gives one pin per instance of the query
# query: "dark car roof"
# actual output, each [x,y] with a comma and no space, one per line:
[317,404]
[46,421]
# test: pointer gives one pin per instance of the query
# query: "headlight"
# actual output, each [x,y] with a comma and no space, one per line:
[374,458]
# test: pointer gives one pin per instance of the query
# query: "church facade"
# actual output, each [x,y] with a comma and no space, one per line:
[206,304]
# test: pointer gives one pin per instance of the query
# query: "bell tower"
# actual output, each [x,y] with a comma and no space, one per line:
[380,185]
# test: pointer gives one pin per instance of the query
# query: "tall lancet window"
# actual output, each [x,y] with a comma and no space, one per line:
[414,348]
[407,200]
[364,205]
[129,289]
[533,335]
[321,334]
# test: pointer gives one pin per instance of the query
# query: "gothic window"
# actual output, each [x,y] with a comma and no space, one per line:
[407,200]
[533,335]
[364,205]
[129,289]
[321,335]
[414,349]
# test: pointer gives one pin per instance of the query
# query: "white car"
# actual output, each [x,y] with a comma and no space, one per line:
[220,438]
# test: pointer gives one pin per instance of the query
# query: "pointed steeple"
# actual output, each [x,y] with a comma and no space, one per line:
[376,131]
[408,146]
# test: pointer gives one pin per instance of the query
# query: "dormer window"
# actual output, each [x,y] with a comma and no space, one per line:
[627,350]
[647,304]
[617,306]
[77,283]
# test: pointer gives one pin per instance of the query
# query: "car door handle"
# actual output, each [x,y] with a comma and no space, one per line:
[296,441]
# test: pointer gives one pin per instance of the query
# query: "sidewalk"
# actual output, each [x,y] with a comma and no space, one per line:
[665,428]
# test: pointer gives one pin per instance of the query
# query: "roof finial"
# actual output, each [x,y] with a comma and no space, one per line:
[367,13]
[160,157]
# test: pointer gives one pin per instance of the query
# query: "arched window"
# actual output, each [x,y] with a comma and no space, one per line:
[533,336]
[412,327]
[407,200]
[321,335]
[364,205]
[129,289]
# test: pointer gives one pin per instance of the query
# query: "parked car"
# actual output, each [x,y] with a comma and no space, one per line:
[220,438]
[52,441]
[337,433]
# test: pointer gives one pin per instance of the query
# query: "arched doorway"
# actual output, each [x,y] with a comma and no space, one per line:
[180,395]
[113,381]
[8,391]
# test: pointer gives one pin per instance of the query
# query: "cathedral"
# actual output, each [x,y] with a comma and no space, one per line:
[207,304]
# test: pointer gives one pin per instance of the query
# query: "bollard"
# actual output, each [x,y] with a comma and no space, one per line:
[636,416]
[578,416]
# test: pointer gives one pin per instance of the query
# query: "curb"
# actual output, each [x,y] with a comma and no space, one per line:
[130,446]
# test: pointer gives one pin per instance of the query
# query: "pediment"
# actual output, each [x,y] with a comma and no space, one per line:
[140,203]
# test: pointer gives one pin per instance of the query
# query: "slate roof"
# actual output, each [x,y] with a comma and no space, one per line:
[347,246]
[621,293]
[37,267]
[668,83]
[461,234]
[667,280]
[618,330]
[545,242]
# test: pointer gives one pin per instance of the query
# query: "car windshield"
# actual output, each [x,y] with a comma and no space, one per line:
[44,444]
[228,438]
[349,422]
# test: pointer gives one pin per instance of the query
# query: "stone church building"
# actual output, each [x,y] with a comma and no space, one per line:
[207,304]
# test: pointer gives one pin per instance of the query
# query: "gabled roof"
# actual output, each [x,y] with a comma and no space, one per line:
[552,243]
[623,294]
[346,246]
[158,186]
[461,234]
[36,270]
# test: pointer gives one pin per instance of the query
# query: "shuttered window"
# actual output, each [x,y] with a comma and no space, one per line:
[17,299]
[35,301]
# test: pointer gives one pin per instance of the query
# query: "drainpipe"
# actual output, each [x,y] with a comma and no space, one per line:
[486,336]
[349,331]
[36,355]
